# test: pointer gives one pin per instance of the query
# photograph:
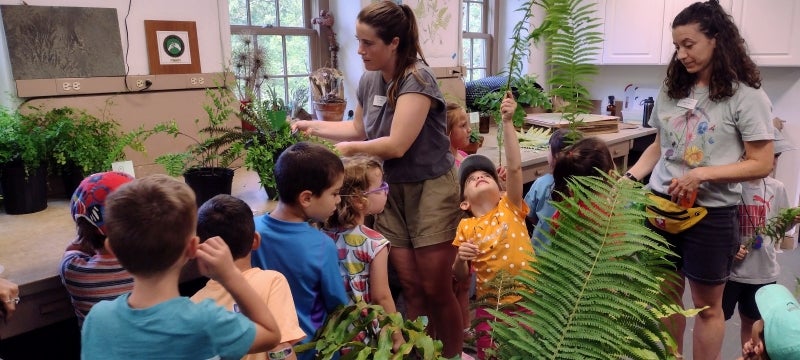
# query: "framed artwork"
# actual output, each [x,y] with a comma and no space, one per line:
[172,47]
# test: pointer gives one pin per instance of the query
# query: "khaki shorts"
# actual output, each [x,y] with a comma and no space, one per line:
[421,213]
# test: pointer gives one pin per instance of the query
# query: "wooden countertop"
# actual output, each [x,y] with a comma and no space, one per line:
[31,245]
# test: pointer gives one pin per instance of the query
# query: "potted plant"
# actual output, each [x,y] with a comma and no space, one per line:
[216,145]
[250,71]
[23,163]
[475,142]
[271,135]
[327,88]
[84,144]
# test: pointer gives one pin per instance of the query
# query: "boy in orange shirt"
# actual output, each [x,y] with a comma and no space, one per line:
[231,219]
[495,239]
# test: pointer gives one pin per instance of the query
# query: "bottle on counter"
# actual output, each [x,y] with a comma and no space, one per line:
[611,109]
[647,104]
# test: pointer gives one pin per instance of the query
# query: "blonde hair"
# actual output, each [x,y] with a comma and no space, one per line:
[455,113]
[356,182]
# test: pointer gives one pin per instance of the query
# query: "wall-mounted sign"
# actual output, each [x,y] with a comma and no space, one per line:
[172,47]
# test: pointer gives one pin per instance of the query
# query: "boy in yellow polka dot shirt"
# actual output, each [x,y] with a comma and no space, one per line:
[494,238]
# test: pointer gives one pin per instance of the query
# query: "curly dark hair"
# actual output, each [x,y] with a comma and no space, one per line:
[730,63]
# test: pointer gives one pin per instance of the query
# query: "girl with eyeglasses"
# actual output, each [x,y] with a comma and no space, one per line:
[363,252]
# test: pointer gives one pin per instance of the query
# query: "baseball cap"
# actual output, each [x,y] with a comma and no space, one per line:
[781,314]
[473,163]
[781,144]
[89,198]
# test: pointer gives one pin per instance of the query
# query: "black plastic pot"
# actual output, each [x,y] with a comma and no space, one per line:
[208,182]
[71,177]
[23,194]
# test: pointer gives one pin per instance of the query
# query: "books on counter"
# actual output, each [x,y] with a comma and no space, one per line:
[592,124]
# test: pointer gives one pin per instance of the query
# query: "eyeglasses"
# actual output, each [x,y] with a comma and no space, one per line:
[383,188]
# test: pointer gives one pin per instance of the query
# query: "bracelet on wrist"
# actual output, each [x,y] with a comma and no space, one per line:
[630,176]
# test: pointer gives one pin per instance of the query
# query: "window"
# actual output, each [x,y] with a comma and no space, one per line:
[283,28]
[477,42]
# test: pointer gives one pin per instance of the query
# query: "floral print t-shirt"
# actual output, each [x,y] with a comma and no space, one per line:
[357,247]
[708,133]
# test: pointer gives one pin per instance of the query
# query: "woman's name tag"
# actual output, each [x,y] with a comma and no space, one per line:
[687,103]
[378,100]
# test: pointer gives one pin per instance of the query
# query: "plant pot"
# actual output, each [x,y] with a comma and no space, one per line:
[208,182]
[244,107]
[473,146]
[24,194]
[333,111]
[71,177]
[484,121]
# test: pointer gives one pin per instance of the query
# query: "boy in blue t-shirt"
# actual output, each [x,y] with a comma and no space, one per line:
[308,178]
[538,196]
[150,226]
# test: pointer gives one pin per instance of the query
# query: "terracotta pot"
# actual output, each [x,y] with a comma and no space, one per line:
[330,111]
[473,147]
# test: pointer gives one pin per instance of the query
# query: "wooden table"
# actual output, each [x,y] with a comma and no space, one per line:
[31,247]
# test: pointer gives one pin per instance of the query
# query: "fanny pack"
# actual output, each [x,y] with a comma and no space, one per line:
[670,217]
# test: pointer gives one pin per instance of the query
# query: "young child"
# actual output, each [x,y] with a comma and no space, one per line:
[495,237]
[231,219]
[756,265]
[89,272]
[538,196]
[308,178]
[583,158]
[363,252]
[150,224]
[776,335]
[458,130]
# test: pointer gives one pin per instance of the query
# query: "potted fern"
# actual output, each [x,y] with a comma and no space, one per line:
[23,162]
[206,164]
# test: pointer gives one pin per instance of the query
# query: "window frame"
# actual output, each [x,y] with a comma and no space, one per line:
[317,44]
[489,27]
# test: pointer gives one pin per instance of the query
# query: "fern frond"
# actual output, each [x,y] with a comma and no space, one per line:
[596,287]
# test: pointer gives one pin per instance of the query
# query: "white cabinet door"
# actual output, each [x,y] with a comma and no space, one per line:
[771,29]
[671,9]
[633,31]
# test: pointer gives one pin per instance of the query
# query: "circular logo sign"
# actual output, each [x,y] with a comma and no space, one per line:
[174,46]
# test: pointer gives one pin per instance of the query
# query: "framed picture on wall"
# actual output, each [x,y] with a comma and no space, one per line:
[172,47]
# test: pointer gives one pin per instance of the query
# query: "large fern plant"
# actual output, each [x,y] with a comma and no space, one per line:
[595,291]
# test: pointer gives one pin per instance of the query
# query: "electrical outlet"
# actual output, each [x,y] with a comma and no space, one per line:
[71,86]
[197,81]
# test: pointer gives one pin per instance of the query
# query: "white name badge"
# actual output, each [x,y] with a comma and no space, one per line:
[378,100]
[687,103]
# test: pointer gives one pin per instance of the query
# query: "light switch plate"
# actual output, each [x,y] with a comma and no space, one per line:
[123,166]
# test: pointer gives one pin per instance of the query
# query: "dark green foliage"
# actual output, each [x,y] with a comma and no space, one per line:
[342,326]
[22,140]
[594,287]
[775,229]
[220,144]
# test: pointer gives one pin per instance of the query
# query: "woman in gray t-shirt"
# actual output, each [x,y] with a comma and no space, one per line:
[710,113]
[401,118]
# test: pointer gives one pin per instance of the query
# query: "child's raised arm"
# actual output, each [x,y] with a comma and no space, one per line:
[513,156]
[215,261]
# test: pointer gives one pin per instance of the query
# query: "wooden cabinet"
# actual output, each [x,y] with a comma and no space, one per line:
[672,8]
[771,29]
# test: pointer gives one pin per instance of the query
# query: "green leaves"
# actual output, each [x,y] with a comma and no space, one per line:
[344,328]
[594,287]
